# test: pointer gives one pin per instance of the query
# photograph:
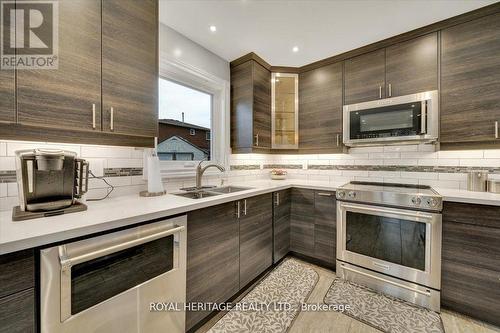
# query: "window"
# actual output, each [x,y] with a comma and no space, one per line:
[213,116]
[207,136]
[182,110]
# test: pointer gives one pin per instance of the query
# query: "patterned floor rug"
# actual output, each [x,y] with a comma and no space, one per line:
[383,312]
[263,309]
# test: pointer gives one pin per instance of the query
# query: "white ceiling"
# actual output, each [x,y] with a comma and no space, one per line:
[320,28]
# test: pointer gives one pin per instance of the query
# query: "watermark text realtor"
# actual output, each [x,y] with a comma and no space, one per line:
[29,34]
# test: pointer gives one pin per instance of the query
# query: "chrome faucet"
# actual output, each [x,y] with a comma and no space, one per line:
[200,170]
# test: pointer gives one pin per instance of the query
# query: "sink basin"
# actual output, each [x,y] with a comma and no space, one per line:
[229,189]
[196,194]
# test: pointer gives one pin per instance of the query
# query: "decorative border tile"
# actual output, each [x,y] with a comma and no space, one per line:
[405,168]
[244,167]
[122,172]
[8,176]
[282,166]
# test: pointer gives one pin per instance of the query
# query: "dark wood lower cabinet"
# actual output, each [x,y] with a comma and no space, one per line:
[256,237]
[17,292]
[325,219]
[282,202]
[302,222]
[471,260]
[212,257]
[313,225]
[18,312]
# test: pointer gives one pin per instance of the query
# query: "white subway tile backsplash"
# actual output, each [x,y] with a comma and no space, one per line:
[384,155]
[354,173]
[452,176]
[384,174]
[106,152]
[490,162]
[419,175]
[440,183]
[461,154]
[124,163]
[400,148]
[324,178]
[7,163]
[3,149]
[411,181]
[12,190]
[438,162]
[369,162]
[492,153]
[401,162]
[357,150]
[3,190]
[6,203]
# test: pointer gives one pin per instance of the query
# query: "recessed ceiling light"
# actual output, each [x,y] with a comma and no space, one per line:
[213,28]
[295,49]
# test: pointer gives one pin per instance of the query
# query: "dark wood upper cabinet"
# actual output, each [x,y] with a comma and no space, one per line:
[7,93]
[412,66]
[365,77]
[250,106]
[256,237]
[320,108]
[66,97]
[212,257]
[470,81]
[129,67]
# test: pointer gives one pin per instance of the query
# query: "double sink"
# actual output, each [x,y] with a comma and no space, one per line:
[194,193]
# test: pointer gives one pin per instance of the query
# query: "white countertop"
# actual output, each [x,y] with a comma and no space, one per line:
[126,210]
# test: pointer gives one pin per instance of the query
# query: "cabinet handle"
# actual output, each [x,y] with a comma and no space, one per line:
[324,194]
[338,140]
[238,209]
[496,129]
[245,207]
[257,139]
[277,199]
[93,116]
[379,92]
[112,120]
[390,90]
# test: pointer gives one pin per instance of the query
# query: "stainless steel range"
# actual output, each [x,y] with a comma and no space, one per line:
[389,239]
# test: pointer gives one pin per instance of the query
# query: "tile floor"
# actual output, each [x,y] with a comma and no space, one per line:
[335,322]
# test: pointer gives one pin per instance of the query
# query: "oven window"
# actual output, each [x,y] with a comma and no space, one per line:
[388,121]
[97,280]
[394,240]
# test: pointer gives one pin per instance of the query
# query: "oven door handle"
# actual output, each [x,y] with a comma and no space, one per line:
[67,262]
[388,211]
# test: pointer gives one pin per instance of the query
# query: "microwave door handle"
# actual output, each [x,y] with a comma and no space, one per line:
[423,118]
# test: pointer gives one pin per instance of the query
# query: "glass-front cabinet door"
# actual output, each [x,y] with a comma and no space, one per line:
[285,108]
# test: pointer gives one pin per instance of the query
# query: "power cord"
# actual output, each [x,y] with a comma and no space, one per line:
[109,189]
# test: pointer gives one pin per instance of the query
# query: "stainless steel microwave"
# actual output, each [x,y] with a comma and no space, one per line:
[396,120]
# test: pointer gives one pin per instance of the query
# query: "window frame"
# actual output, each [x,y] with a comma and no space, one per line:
[173,70]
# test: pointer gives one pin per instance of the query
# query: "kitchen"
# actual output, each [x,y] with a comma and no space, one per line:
[194,166]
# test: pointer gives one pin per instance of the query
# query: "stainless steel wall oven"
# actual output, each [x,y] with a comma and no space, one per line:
[107,283]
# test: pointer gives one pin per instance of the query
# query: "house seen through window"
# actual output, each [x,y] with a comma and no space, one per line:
[184,122]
